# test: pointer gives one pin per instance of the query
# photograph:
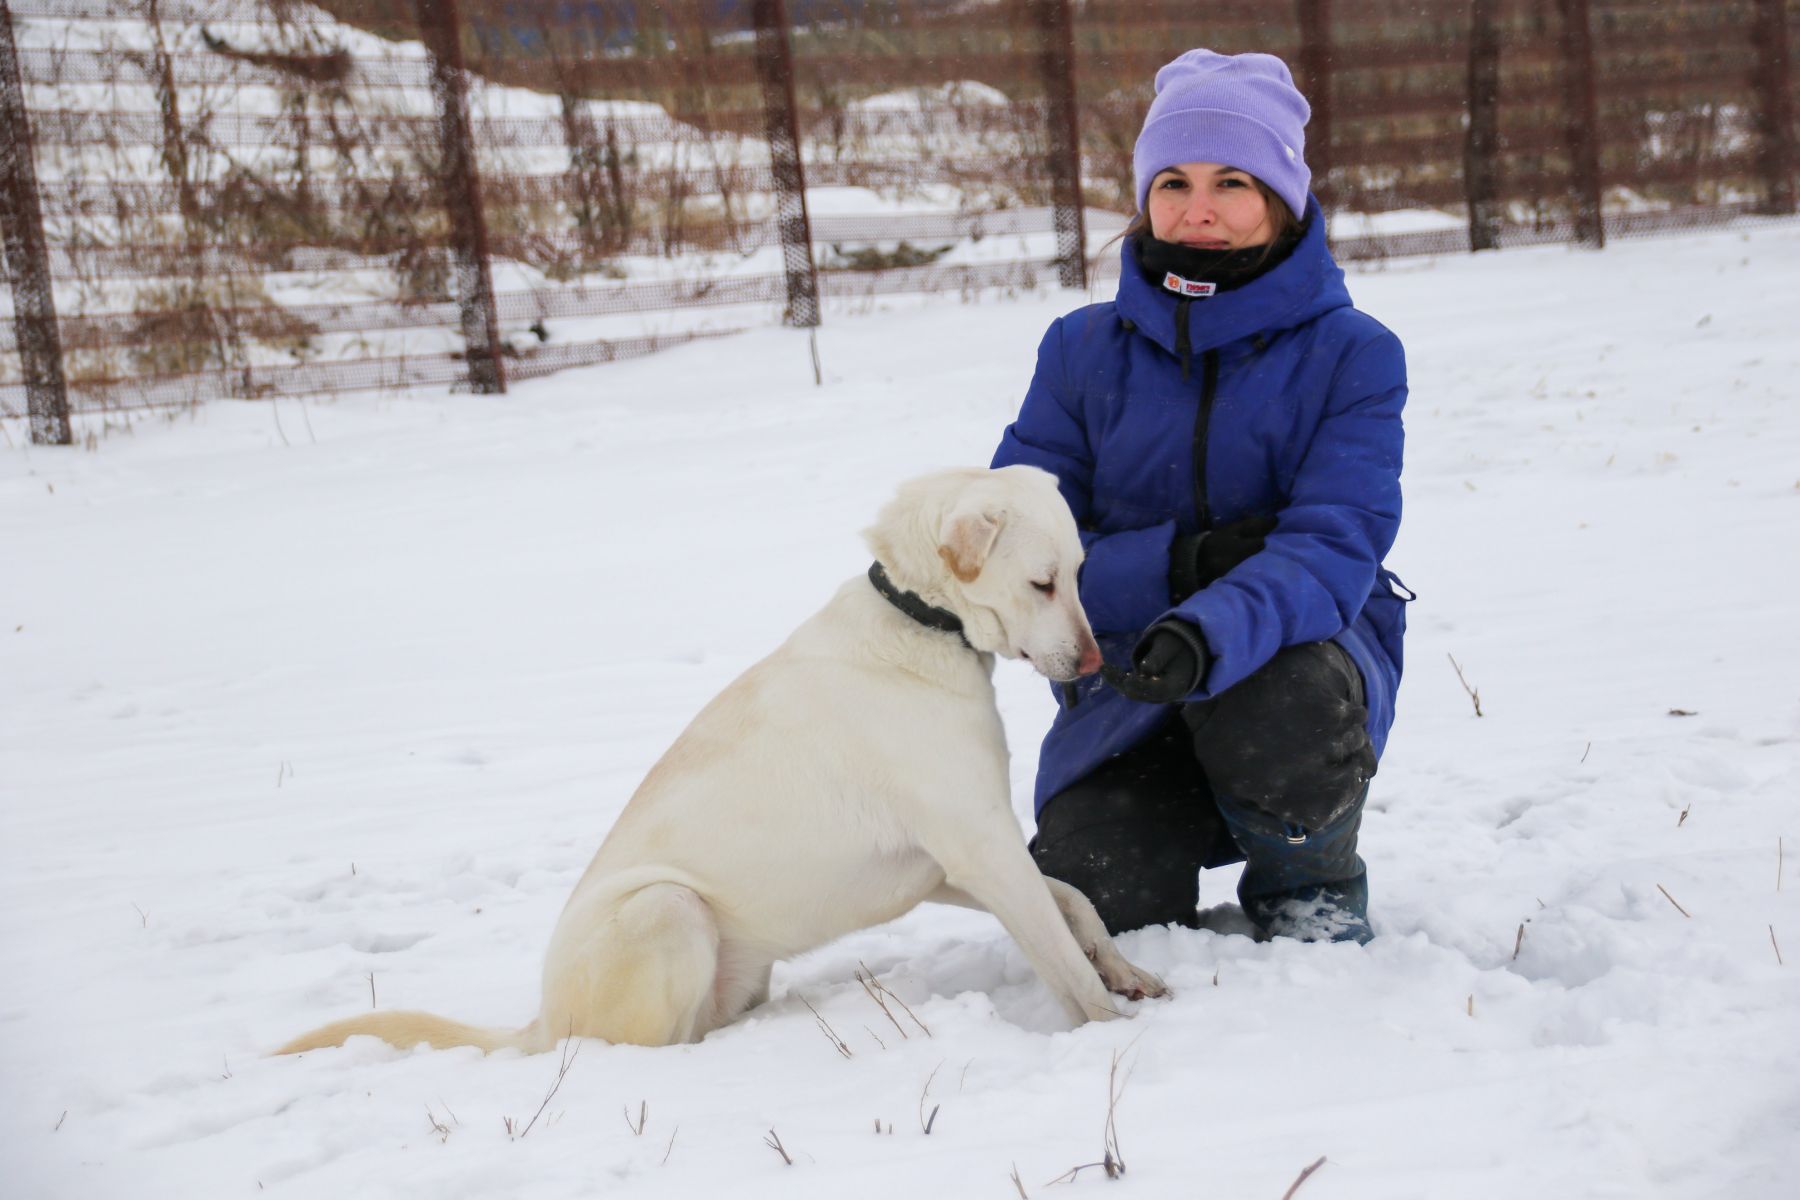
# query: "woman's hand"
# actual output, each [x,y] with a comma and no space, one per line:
[1167,665]
[1196,559]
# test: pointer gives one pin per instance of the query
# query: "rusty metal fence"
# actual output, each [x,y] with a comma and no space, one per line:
[244,198]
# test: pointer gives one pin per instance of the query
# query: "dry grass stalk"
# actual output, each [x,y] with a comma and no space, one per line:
[144,915]
[642,1120]
[670,1148]
[1474,693]
[571,1048]
[880,993]
[926,1122]
[58,1126]
[1115,1087]
[773,1142]
[1303,1177]
[437,1126]
[1112,1159]
[1584,753]
[1519,941]
[825,1028]
[1778,959]
[1665,891]
[1471,1004]
[880,1003]
[1682,819]
[1018,1183]
[371,989]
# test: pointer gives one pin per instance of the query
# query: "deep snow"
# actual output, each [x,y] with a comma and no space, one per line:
[308,700]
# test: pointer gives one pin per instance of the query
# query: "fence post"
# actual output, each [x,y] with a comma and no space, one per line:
[1582,123]
[27,257]
[775,71]
[1057,62]
[1315,69]
[1776,154]
[1481,152]
[441,31]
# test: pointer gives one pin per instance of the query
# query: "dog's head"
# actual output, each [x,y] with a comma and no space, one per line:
[1000,550]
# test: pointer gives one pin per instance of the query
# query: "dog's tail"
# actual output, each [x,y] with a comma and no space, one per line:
[407,1029]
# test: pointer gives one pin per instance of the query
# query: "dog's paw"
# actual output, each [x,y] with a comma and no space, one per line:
[1133,983]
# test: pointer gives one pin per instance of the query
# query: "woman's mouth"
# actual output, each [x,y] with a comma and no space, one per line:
[1206,243]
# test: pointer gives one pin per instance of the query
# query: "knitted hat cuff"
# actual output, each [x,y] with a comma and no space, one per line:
[1231,139]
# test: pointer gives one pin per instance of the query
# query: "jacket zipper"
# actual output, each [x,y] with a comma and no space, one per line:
[1184,347]
[1209,386]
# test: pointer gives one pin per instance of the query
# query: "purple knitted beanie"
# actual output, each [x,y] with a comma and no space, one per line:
[1241,110]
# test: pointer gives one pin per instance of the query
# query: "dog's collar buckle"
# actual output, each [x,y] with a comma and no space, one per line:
[914,606]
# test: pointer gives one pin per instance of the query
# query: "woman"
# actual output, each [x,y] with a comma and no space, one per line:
[1228,435]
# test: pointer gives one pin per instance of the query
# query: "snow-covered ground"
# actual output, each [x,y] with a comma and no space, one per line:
[307,704]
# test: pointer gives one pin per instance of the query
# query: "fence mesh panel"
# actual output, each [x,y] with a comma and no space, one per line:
[242,198]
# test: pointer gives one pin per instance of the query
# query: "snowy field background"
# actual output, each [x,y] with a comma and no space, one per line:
[312,700]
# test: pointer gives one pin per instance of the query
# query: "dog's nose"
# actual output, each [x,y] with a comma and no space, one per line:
[1090,660]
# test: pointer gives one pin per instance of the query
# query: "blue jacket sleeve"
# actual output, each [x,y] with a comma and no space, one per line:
[1315,572]
[1124,579]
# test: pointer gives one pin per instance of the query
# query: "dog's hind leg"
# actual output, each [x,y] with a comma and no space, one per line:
[639,972]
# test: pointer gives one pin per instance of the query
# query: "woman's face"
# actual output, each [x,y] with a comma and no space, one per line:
[1208,206]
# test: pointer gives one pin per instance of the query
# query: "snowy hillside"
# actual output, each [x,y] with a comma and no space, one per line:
[310,704]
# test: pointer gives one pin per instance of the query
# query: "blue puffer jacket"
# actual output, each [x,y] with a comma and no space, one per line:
[1285,401]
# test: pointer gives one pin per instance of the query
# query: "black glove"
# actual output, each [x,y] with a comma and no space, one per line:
[1167,664]
[1196,559]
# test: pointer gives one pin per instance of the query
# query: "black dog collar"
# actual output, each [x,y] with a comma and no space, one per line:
[913,606]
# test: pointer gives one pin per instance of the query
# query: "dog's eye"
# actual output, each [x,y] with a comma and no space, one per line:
[1049,589]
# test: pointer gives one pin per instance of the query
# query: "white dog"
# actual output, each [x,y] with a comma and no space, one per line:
[859,769]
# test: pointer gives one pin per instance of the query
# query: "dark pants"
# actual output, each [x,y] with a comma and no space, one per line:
[1272,772]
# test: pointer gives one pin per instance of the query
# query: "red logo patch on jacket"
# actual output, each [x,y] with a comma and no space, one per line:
[1187,287]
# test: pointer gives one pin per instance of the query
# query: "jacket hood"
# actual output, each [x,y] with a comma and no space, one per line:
[1307,285]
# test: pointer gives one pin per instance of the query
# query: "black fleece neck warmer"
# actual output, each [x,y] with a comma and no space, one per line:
[1224,269]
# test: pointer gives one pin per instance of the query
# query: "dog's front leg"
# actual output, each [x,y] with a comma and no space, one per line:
[1118,973]
[998,875]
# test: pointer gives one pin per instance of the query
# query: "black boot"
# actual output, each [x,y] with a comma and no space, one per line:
[1302,883]
[1288,754]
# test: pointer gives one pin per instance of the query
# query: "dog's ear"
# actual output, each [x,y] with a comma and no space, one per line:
[967,539]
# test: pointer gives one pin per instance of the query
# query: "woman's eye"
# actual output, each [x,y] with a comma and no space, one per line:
[1049,589]
[1172,184]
